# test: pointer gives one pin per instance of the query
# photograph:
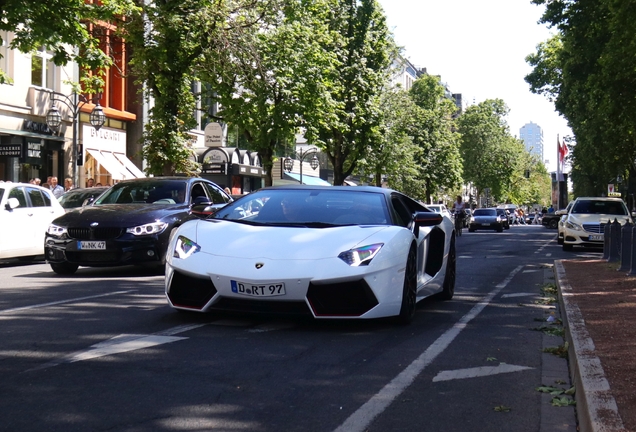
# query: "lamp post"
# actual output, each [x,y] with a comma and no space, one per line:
[75,102]
[288,163]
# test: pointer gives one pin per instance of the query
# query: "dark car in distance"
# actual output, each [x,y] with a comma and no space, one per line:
[76,198]
[486,218]
[130,223]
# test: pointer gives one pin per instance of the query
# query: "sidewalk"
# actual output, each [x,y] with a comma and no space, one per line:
[598,306]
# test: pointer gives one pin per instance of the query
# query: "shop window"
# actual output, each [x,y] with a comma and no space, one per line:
[43,70]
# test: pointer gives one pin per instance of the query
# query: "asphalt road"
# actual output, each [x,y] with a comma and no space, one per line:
[102,351]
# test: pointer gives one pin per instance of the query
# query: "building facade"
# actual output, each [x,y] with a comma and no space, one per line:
[29,148]
[532,136]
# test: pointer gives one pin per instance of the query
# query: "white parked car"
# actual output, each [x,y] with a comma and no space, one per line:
[26,211]
[585,223]
[328,252]
[441,209]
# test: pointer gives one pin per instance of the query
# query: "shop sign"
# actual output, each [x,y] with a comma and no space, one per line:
[11,150]
[213,135]
[247,170]
[36,127]
[108,139]
[214,168]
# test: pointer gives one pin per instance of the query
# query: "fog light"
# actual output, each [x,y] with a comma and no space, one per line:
[51,253]
[151,253]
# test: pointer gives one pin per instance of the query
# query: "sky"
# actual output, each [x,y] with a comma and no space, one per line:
[478,47]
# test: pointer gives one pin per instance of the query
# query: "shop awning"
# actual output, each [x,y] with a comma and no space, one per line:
[129,165]
[113,164]
[309,180]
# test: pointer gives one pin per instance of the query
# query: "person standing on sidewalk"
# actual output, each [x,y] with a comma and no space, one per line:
[57,190]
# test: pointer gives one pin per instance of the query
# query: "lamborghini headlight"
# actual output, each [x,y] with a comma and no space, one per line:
[185,248]
[56,231]
[360,256]
[156,227]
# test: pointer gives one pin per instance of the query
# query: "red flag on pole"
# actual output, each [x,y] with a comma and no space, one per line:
[563,151]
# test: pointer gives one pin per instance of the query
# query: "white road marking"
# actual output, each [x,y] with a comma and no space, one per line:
[478,372]
[41,305]
[362,418]
[523,294]
[121,344]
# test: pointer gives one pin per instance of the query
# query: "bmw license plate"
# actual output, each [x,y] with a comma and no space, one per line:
[91,245]
[598,237]
[254,290]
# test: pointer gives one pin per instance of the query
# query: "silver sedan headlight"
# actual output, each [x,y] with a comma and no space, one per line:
[56,231]
[573,226]
[148,229]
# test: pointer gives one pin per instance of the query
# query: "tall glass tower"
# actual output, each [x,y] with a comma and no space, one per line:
[532,136]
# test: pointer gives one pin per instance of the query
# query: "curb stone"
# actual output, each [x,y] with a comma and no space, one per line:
[553,369]
[596,408]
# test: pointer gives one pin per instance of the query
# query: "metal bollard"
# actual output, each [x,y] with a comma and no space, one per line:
[614,243]
[632,271]
[626,247]
[606,239]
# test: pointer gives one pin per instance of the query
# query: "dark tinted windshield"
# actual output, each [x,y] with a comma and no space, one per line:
[485,212]
[326,206]
[73,199]
[599,207]
[156,192]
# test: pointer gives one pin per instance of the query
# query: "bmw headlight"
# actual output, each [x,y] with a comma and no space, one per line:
[360,256]
[148,229]
[573,226]
[185,248]
[56,231]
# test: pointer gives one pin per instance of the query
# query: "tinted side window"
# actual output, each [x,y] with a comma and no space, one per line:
[19,194]
[217,195]
[36,198]
[404,216]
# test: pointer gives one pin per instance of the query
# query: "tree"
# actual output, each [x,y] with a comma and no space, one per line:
[439,159]
[270,89]
[172,42]
[589,70]
[57,25]
[350,121]
[394,157]
[490,154]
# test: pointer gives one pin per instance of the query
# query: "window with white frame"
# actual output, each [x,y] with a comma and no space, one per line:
[6,62]
[43,70]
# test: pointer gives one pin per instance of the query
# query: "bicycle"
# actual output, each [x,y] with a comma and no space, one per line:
[459,223]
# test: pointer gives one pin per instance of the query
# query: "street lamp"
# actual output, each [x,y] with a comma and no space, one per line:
[288,163]
[75,102]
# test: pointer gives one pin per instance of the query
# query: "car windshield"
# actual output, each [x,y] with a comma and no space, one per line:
[435,208]
[485,212]
[72,199]
[156,192]
[317,207]
[599,207]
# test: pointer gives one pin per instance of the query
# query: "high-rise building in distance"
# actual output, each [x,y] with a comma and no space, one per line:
[532,136]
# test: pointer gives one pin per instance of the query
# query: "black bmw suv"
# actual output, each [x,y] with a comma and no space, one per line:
[131,223]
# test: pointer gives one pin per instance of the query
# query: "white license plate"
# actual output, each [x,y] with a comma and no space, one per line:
[598,237]
[258,290]
[91,245]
